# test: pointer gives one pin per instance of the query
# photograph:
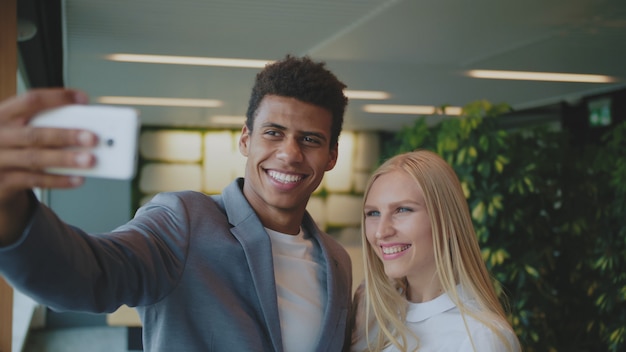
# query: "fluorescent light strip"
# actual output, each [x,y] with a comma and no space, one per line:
[453,110]
[366,94]
[227,120]
[410,109]
[541,76]
[188,60]
[198,103]
[226,62]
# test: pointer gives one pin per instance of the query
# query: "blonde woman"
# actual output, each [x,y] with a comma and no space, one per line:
[426,286]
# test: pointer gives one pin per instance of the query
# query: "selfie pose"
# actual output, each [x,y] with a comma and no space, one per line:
[426,286]
[246,270]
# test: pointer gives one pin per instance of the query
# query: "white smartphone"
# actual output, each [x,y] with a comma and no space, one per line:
[117,129]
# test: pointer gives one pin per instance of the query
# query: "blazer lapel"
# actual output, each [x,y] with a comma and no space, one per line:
[256,244]
[335,288]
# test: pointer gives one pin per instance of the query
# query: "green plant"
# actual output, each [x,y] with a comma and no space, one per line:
[549,216]
[608,255]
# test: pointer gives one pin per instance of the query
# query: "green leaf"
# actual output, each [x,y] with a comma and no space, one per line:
[531,271]
[478,213]
[498,165]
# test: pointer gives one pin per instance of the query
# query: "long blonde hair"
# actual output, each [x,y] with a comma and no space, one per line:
[457,256]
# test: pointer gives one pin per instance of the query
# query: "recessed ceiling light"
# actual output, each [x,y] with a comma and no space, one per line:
[189,60]
[541,76]
[198,103]
[411,109]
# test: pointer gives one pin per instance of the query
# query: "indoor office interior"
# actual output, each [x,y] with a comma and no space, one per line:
[544,83]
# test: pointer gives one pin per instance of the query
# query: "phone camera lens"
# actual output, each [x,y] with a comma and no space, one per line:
[110,142]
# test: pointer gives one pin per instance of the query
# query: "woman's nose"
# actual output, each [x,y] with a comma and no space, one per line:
[385,228]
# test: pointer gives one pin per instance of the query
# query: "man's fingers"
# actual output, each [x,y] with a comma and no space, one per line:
[20,109]
[40,159]
[39,137]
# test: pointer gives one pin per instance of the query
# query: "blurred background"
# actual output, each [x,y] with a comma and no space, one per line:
[548,77]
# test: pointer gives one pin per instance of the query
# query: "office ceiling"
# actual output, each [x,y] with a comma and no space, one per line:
[416,50]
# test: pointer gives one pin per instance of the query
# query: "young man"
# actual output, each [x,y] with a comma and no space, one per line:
[247,270]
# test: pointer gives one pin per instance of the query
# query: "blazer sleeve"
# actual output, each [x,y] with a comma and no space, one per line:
[65,268]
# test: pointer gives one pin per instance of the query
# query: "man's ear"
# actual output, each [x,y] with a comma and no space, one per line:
[334,152]
[244,140]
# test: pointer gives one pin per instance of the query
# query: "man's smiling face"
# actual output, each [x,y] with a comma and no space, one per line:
[288,153]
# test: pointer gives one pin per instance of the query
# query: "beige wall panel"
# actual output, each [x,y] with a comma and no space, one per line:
[219,162]
[239,161]
[339,179]
[360,181]
[157,177]
[171,146]
[366,151]
[343,210]
[124,316]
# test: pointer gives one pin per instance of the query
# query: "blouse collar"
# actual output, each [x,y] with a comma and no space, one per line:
[421,311]
[417,312]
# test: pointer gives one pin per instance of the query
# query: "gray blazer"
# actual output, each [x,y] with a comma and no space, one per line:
[198,268]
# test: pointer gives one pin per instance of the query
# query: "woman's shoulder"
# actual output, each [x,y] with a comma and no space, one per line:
[496,335]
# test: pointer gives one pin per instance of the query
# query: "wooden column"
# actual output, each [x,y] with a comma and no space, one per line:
[8,87]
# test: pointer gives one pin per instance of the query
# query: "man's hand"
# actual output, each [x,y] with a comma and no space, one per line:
[25,152]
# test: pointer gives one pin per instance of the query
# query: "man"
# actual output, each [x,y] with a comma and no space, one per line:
[246,270]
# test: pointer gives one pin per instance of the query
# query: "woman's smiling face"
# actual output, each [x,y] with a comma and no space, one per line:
[398,228]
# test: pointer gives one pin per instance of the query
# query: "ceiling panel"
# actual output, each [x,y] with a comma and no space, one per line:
[416,50]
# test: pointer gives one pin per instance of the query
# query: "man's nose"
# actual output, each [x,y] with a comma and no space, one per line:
[290,151]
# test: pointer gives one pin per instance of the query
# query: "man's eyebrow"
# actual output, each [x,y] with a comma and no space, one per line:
[275,125]
[304,133]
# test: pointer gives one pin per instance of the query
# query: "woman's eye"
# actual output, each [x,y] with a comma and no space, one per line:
[404,210]
[372,213]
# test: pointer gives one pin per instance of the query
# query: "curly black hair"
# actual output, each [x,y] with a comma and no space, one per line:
[305,80]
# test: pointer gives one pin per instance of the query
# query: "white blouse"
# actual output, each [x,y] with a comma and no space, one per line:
[440,328]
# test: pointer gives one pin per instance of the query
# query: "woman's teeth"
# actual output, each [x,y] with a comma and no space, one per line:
[395,249]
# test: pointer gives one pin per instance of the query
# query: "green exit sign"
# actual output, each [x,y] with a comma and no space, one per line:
[600,112]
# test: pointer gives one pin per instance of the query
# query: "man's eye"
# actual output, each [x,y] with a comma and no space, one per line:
[311,140]
[272,133]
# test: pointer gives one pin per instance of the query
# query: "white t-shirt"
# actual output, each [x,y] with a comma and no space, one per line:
[299,280]
[439,326]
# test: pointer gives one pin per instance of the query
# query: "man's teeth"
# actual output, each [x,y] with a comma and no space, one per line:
[396,249]
[284,178]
